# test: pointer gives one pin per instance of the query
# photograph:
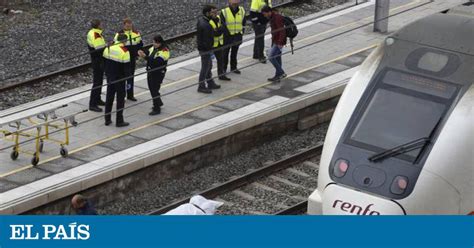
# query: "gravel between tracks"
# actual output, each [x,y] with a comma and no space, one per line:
[163,193]
[47,33]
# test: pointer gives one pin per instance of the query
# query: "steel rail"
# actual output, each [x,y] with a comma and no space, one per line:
[247,178]
[295,209]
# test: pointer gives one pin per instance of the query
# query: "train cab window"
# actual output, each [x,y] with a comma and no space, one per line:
[402,108]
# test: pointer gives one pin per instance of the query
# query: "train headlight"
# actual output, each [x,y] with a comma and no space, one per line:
[341,168]
[399,185]
[389,41]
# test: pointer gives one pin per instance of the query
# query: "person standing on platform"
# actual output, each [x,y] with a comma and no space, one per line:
[205,41]
[117,66]
[259,23]
[134,43]
[218,46]
[234,20]
[157,59]
[96,45]
[277,24]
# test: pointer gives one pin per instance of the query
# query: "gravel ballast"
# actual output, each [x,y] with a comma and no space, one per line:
[165,192]
[47,33]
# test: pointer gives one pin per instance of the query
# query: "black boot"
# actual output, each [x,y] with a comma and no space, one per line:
[155,111]
[122,124]
[95,109]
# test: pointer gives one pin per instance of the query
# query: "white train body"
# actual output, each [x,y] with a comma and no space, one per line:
[418,85]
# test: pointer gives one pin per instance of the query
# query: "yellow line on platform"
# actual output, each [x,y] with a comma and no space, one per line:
[184,112]
[222,99]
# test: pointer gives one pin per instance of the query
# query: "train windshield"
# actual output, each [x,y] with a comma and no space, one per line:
[401,109]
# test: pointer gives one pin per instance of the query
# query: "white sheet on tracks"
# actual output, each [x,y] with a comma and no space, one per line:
[197,205]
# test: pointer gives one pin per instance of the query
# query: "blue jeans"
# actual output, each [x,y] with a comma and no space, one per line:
[275,58]
[205,76]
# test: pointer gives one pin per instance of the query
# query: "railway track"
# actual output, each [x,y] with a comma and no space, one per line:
[85,66]
[268,190]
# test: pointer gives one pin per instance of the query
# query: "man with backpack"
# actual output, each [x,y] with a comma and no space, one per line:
[277,24]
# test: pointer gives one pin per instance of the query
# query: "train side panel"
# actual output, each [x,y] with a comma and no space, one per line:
[452,162]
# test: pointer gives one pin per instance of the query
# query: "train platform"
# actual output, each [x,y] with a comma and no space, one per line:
[329,49]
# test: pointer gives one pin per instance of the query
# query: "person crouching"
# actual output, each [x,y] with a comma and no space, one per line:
[157,59]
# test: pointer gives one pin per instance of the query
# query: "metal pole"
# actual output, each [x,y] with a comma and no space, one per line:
[382,8]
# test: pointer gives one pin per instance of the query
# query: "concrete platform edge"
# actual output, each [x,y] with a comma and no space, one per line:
[60,185]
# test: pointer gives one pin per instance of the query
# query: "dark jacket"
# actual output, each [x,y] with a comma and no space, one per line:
[205,35]
[133,48]
[87,209]
[153,62]
[258,18]
[278,29]
[116,70]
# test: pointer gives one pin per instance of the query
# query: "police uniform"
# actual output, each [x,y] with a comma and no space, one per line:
[96,45]
[156,58]
[234,21]
[117,66]
[218,29]
[259,23]
[133,44]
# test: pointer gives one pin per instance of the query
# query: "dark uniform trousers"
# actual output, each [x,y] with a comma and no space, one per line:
[112,89]
[259,45]
[130,81]
[219,53]
[233,43]
[98,78]
[155,79]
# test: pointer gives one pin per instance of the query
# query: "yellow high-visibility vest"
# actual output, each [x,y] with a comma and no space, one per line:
[234,23]
[257,5]
[164,53]
[133,37]
[118,53]
[218,40]
[95,38]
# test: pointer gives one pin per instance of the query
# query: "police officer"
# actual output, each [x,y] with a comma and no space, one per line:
[157,59]
[219,29]
[134,43]
[117,66]
[259,23]
[234,20]
[205,41]
[96,45]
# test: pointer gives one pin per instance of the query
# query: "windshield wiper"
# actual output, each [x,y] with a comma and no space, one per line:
[401,149]
[407,147]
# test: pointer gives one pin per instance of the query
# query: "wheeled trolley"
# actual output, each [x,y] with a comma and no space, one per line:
[39,128]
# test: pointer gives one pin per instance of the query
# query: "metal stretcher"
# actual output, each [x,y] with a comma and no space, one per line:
[38,128]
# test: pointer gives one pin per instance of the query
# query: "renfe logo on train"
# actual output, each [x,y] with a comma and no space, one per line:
[353,208]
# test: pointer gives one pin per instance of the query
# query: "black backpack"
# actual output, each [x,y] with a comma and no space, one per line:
[291,30]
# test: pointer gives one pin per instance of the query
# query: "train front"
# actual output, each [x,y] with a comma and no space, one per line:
[401,139]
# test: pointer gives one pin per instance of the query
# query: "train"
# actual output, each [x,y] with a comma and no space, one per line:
[401,140]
